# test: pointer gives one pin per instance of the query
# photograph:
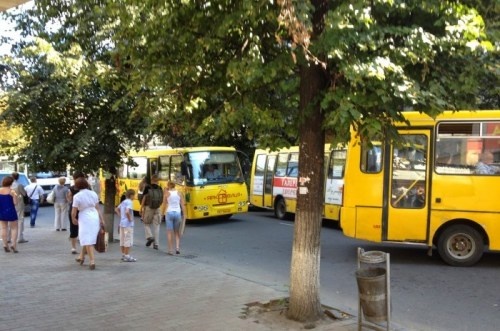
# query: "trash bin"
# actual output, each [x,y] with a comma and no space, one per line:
[373,293]
[372,257]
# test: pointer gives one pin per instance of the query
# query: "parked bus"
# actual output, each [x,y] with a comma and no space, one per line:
[274,181]
[439,188]
[219,195]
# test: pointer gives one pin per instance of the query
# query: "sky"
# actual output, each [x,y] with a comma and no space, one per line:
[7,28]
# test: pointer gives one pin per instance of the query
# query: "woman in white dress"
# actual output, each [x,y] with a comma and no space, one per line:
[86,202]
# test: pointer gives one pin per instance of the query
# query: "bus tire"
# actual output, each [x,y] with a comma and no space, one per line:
[460,246]
[280,209]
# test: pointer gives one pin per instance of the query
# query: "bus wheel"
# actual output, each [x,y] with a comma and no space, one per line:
[460,246]
[280,209]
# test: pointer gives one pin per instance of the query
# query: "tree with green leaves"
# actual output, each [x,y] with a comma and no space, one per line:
[286,72]
[70,114]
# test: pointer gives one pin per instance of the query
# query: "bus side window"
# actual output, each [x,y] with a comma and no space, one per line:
[282,165]
[139,168]
[154,166]
[293,165]
[336,164]
[176,174]
[371,159]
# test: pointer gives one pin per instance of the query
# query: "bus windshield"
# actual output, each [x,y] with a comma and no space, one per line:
[209,167]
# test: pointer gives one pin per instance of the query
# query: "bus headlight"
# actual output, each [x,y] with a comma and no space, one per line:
[242,203]
[201,208]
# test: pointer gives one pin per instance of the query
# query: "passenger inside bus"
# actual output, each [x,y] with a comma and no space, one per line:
[484,166]
[408,197]
[212,172]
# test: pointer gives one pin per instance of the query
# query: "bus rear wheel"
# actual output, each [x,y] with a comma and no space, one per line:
[461,246]
[280,209]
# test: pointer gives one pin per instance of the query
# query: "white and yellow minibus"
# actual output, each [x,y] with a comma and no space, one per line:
[273,181]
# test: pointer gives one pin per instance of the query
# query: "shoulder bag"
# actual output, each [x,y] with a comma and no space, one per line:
[27,199]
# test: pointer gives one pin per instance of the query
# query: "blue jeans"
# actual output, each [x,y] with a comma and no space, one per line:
[35,204]
[173,220]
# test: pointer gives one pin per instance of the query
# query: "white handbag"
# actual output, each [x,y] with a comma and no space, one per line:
[51,198]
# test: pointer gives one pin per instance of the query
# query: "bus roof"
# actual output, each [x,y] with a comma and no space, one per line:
[417,118]
[292,149]
[179,150]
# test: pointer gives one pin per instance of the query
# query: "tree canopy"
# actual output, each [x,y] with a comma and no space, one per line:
[72,111]
[227,71]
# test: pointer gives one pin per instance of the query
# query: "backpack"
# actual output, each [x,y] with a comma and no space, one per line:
[155,197]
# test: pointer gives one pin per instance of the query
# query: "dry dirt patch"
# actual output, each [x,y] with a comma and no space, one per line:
[273,315]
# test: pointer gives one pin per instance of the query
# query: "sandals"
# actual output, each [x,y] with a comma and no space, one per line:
[6,249]
[92,266]
[13,249]
[130,259]
[80,260]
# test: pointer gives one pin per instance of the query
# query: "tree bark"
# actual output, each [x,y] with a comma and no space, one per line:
[109,206]
[305,302]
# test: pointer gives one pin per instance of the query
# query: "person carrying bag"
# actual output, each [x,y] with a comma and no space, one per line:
[27,199]
[51,198]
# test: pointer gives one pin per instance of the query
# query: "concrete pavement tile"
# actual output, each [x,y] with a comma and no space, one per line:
[158,292]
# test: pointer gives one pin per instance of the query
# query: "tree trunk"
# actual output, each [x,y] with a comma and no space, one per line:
[109,206]
[305,302]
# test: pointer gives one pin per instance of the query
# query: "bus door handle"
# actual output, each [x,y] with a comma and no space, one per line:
[438,200]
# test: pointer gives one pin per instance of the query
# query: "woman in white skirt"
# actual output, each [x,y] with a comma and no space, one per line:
[86,202]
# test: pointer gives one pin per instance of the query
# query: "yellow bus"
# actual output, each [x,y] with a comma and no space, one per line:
[206,196]
[439,188]
[273,181]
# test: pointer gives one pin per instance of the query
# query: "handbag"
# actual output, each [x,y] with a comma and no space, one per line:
[101,243]
[27,199]
[51,198]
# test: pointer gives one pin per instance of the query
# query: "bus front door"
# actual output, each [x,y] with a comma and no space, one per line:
[268,181]
[405,217]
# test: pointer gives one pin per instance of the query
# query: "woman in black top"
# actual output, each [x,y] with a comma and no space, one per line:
[73,228]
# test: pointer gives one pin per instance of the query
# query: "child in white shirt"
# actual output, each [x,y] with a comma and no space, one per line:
[126,213]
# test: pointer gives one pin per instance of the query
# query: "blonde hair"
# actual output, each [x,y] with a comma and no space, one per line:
[62,180]
[171,185]
[130,193]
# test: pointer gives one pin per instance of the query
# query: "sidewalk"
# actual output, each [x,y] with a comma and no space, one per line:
[43,288]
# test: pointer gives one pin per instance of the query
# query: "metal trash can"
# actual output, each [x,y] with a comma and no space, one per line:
[373,293]
[373,258]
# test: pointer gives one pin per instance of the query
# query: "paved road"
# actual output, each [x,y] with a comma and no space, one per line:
[43,288]
[426,293]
